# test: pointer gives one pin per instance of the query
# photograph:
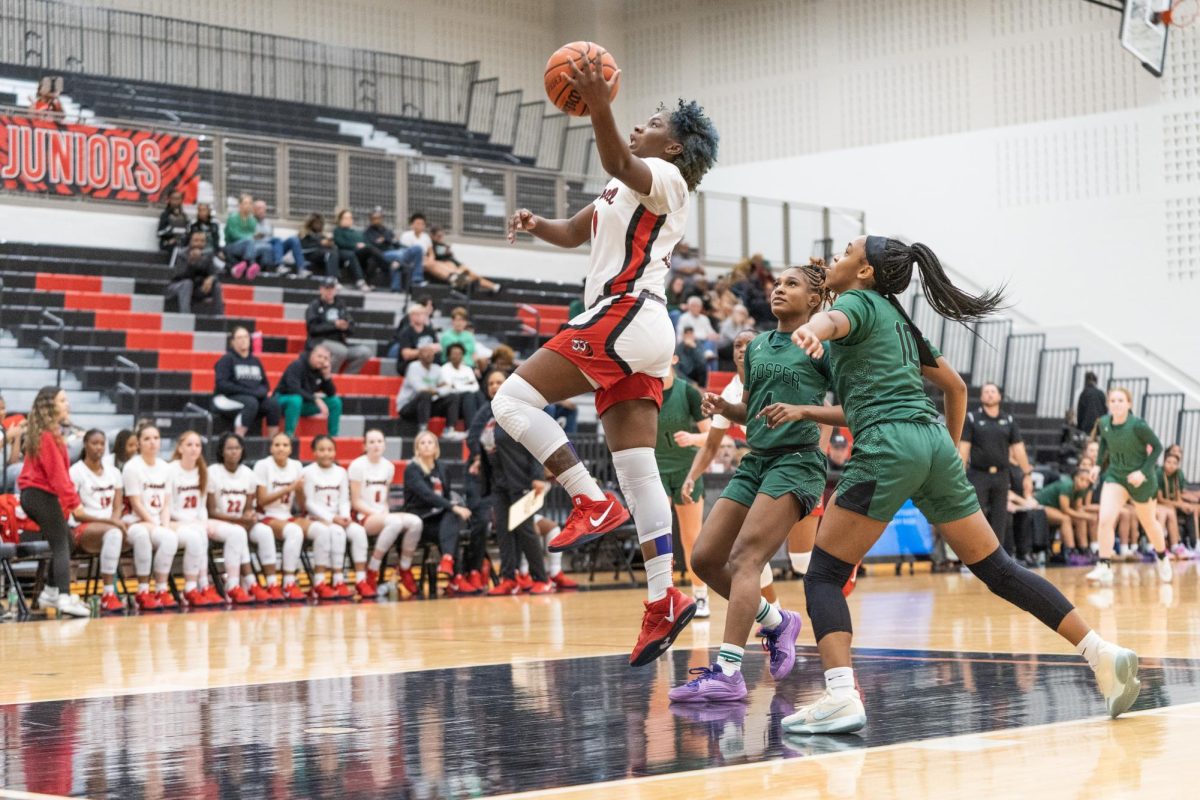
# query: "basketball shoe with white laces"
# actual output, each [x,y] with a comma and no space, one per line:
[664,619]
[1102,575]
[1116,675]
[589,520]
[829,715]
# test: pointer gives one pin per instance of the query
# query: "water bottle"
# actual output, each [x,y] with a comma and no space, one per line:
[94,606]
[256,343]
[12,602]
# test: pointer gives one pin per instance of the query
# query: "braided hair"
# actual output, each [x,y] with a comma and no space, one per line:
[814,272]
[893,262]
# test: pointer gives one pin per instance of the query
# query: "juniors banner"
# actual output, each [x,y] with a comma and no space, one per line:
[48,157]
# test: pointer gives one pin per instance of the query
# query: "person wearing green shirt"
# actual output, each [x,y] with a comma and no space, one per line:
[779,482]
[1063,501]
[880,361]
[459,334]
[248,254]
[1171,494]
[1129,451]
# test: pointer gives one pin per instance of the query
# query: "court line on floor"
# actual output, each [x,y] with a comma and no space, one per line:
[777,763]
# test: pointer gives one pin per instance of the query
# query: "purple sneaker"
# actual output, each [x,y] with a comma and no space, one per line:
[710,685]
[781,644]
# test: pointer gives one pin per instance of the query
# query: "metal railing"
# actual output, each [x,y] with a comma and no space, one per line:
[122,364]
[204,414]
[54,344]
[1188,437]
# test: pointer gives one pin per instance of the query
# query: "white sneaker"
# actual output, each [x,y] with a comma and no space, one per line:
[48,597]
[1102,574]
[828,715]
[1165,573]
[71,605]
[1116,674]
[702,611]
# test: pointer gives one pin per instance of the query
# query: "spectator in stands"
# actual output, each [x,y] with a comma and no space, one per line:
[401,262]
[11,435]
[456,378]
[678,293]
[566,414]
[413,333]
[1171,496]
[48,494]
[241,387]
[412,239]
[427,494]
[459,334]
[47,102]
[1092,404]
[194,278]
[364,261]
[306,390]
[248,254]
[320,251]
[726,459]
[693,364]
[695,318]
[839,447]
[329,323]
[685,264]
[1031,529]
[747,285]
[738,320]
[264,231]
[212,232]
[420,398]
[173,224]
[503,359]
[445,267]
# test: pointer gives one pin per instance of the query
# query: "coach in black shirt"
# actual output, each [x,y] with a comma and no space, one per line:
[989,440]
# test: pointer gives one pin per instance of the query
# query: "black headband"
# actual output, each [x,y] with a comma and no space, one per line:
[876,248]
[876,245]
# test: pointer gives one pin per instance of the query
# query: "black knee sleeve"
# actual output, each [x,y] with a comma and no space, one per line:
[1024,589]
[827,608]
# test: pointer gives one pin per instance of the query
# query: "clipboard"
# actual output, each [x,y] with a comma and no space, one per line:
[528,505]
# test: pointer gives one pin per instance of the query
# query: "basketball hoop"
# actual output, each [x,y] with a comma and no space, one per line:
[1181,14]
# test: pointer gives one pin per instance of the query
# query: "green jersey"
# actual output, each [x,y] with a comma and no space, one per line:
[1049,494]
[680,412]
[1128,447]
[1171,485]
[876,369]
[779,372]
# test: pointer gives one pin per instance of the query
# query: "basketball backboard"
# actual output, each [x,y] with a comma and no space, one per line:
[1144,32]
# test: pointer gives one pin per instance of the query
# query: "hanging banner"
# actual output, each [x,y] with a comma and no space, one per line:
[68,159]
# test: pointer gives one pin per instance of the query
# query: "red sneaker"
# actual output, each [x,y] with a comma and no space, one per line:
[275,594]
[292,594]
[525,582]
[240,597]
[213,596]
[460,585]
[852,582]
[589,521]
[478,581]
[323,591]
[446,566]
[343,592]
[146,601]
[196,599]
[165,600]
[373,578]
[506,586]
[663,621]
[261,594]
[563,582]
[408,581]
[542,587]
[366,590]
[109,604]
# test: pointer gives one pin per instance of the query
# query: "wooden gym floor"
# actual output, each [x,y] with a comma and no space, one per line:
[532,696]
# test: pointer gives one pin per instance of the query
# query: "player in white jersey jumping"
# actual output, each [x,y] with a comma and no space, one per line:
[371,477]
[97,527]
[621,346]
[144,481]
[280,484]
[327,501]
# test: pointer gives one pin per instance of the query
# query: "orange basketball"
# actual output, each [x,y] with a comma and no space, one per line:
[559,90]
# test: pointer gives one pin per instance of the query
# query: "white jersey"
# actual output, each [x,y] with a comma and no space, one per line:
[273,478]
[187,502]
[376,479]
[732,393]
[147,481]
[96,492]
[231,488]
[326,492]
[633,234]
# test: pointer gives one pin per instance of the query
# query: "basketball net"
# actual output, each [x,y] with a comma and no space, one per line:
[1181,14]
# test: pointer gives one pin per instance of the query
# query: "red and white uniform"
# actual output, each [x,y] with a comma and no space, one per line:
[376,479]
[326,492]
[96,492]
[150,483]
[625,340]
[188,504]
[732,393]
[273,477]
[231,488]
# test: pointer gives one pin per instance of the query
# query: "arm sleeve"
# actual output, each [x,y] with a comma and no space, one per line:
[668,190]
[315,321]
[1148,437]
[861,313]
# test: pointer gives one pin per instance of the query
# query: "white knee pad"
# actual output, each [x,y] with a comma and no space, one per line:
[195,549]
[143,550]
[800,561]
[637,472]
[767,577]
[337,547]
[321,537]
[166,545]
[392,528]
[293,543]
[110,550]
[356,536]
[519,409]
[264,543]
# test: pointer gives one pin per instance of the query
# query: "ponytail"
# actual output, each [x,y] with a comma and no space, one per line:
[893,262]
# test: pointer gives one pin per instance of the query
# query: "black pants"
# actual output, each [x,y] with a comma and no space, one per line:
[1031,531]
[520,540]
[323,262]
[44,509]
[423,406]
[371,263]
[445,525]
[992,490]
[254,409]
[477,526]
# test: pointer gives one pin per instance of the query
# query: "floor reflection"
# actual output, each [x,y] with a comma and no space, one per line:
[472,732]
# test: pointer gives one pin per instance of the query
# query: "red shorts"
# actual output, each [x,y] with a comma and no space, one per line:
[623,345]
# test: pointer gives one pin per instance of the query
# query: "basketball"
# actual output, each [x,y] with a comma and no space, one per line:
[559,90]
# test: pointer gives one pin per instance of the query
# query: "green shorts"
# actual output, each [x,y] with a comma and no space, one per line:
[894,461]
[1142,494]
[673,483]
[802,474]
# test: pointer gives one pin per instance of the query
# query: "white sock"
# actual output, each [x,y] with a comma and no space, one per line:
[658,576]
[339,578]
[289,580]
[800,562]
[554,560]
[189,585]
[405,562]
[524,568]
[840,682]
[109,589]
[272,579]
[1094,547]
[700,591]
[319,577]
[729,660]
[143,588]
[777,605]
[578,481]
[1089,647]
[375,563]
[768,615]
[248,582]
